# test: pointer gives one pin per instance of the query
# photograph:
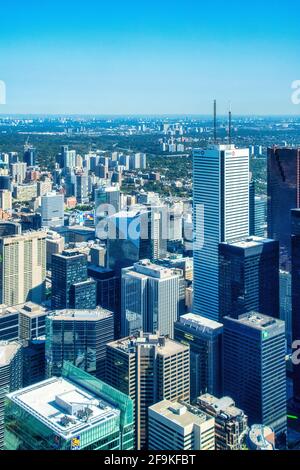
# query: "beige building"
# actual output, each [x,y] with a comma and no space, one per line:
[55,244]
[178,426]
[149,369]
[22,268]
[5,200]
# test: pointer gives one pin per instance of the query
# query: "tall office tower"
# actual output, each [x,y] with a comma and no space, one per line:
[176,426]
[68,157]
[68,267]
[106,196]
[285,295]
[55,244]
[231,423]
[254,369]
[10,376]
[108,293]
[34,364]
[134,235]
[260,220]
[73,412]
[82,188]
[9,323]
[150,299]
[98,255]
[83,295]
[52,210]
[221,214]
[23,268]
[149,369]
[70,183]
[175,231]
[204,338]
[251,207]
[29,156]
[32,320]
[295,230]
[5,182]
[249,277]
[78,336]
[5,200]
[283,196]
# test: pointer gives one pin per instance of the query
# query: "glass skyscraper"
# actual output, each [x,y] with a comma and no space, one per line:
[80,337]
[221,214]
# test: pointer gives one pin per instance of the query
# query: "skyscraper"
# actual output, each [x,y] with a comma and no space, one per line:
[295,283]
[10,376]
[249,277]
[204,337]
[148,369]
[22,268]
[254,368]
[283,196]
[83,295]
[52,210]
[150,299]
[78,336]
[68,268]
[221,214]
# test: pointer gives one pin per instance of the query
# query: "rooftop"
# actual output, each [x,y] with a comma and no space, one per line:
[7,351]
[83,315]
[257,320]
[250,242]
[199,323]
[222,405]
[63,406]
[165,346]
[180,414]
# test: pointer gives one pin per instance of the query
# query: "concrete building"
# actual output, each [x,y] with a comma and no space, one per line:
[52,210]
[55,244]
[148,369]
[176,426]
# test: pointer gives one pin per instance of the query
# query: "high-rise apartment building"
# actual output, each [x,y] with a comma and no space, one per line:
[78,336]
[72,412]
[10,376]
[254,368]
[249,277]
[221,214]
[204,337]
[177,426]
[283,196]
[148,369]
[23,268]
[150,299]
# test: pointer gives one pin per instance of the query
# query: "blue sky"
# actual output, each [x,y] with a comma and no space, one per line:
[149,57]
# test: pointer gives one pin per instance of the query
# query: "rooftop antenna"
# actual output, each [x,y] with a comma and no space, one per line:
[230,125]
[215,121]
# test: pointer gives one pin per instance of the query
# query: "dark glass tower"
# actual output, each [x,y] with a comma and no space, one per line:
[249,277]
[254,368]
[68,268]
[296,294]
[29,156]
[283,196]
[80,337]
[83,295]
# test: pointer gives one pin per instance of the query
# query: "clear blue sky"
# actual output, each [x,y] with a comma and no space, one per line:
[149,57]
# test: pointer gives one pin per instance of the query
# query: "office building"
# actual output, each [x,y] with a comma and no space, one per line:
[82,188]
[204,337]
[285,294]
[29,156]
[231,423]
[5,200]
[55,244]
[249,277]
[83,295]
[52,210]
[73,412]
[98,255]
[68,268]
[221,214]
[148,369]
[150,299]
[23,268]
[34,361]
[283,196]
[107,201]
[176,426]
[9,323]
[78,336]
[32,320]
[254,368]
[10,376]
[295,284]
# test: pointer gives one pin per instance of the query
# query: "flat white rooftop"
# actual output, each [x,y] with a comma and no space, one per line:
[60,405]
[198,322]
